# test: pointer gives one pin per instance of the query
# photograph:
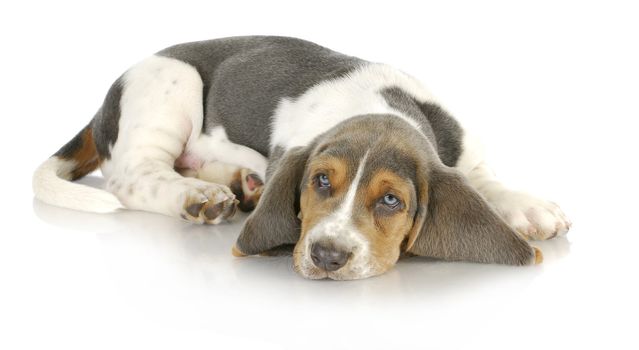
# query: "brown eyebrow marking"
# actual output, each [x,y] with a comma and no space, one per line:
[385,233]
[386,181]
[336,169]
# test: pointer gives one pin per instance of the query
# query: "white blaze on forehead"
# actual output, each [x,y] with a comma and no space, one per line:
[339,224]
[346,209]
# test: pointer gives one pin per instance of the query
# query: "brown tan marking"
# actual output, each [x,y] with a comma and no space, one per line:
[236,252]
[423,188]
[383,229]
[314,206]
[539,257]
[442,216]
[336,169]
[86,157]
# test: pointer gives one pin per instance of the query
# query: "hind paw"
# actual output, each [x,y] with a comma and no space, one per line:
[209,205]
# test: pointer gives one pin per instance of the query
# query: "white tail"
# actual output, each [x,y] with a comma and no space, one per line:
[51,185]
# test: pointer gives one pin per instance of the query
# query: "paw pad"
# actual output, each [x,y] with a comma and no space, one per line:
[247,187]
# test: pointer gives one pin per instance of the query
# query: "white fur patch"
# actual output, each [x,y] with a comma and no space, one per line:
[51,185]
[297,122]
[161,110]
[532,217]
[345,212]
[472,153]
[216,147]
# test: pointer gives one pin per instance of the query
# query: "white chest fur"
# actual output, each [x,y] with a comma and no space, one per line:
[298,121]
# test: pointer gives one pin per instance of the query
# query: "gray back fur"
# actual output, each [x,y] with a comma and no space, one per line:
[245,77]
[106,122]
[104,126]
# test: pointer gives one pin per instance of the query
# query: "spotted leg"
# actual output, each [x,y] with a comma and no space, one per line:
[160,111]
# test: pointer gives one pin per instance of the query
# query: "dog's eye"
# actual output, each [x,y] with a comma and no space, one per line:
[390,201]
[322,181]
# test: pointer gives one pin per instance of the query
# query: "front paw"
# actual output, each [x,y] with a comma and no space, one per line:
[532,218]
[247,187]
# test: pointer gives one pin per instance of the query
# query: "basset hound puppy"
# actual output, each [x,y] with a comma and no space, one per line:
[350,163]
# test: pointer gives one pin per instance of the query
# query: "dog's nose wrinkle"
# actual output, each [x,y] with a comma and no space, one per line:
[328,259]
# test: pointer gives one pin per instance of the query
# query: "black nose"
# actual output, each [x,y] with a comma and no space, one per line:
[328,258]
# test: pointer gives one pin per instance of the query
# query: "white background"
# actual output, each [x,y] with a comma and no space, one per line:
[551,88]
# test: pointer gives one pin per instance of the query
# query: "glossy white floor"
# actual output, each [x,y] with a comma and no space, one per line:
[113,281]
[554,103]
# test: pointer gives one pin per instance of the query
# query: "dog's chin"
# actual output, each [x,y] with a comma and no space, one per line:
[344,274]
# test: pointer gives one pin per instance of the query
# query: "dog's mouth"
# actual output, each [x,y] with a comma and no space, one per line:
[318,274]
[358,267]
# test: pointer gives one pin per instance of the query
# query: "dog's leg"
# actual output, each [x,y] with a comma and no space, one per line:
[215,147]
[213,157]
[531,217]
[246,184]
[161,109]
[151,184]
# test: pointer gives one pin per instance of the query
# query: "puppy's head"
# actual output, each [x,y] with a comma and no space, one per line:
[363,193]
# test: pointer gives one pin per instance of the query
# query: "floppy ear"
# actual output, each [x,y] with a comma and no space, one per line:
[454,222]
[274,224]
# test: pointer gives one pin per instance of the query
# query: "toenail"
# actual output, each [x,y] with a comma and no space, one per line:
[214,211]
[194,209]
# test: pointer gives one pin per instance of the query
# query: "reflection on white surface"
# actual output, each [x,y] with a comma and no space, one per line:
[172,273]
[206,249]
